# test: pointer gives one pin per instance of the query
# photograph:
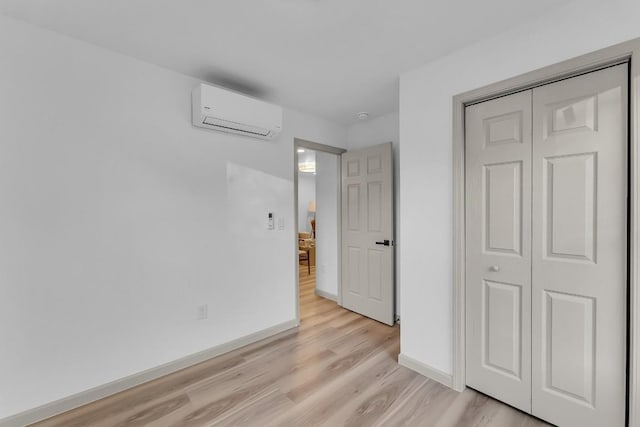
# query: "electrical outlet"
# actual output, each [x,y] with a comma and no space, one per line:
[202,312]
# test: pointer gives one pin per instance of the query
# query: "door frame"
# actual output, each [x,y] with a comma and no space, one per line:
[627,52]
[309,145]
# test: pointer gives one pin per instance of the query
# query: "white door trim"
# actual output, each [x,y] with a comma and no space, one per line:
[301,143]
[624,52]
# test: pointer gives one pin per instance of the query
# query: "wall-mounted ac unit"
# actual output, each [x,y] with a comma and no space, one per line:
[219,109]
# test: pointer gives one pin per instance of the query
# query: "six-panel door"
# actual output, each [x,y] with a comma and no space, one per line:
[498,200]
[580,249]
[546,187]
[367,222]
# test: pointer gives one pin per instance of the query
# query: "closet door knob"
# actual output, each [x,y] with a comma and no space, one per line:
[494,268]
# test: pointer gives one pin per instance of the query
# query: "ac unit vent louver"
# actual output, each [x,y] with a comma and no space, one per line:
[236,127]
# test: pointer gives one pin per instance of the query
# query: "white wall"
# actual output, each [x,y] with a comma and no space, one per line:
[306,194]
[327,186]
[425,132]
[118,218]
[378,131]
[374,131]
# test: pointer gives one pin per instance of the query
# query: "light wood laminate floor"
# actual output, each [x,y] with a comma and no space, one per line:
[336,369]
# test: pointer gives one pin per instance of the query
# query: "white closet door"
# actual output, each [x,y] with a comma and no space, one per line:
[579,249]
[498,227]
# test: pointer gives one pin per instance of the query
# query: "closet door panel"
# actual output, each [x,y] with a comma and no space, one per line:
[579,257]
[498,199]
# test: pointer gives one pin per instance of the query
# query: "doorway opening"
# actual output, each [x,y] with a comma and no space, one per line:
[317,199]
[349,236]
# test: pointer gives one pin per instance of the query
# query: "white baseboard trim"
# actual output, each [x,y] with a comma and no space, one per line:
[426,370]
[68,403]
[327,295]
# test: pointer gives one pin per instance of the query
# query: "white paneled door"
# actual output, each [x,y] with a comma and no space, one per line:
[546,201]
[367,232]
[498,183]
[580,249]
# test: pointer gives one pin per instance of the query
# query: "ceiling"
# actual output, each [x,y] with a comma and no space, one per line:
[331,58]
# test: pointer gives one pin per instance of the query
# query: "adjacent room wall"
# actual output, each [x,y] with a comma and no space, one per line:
[327,190]
[118,218]
[306,194]
[378,131]
[425,132]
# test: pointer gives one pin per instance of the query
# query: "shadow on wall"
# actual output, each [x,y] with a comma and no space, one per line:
[251,194]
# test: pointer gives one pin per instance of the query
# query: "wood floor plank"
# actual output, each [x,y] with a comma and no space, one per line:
[374,402]
[424,407]
[337,369]
[255,377]
[220,409]
[316,410]
[265,408]
[156,412]
[331,372]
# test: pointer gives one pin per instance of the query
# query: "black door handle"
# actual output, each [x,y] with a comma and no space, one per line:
[384,242]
